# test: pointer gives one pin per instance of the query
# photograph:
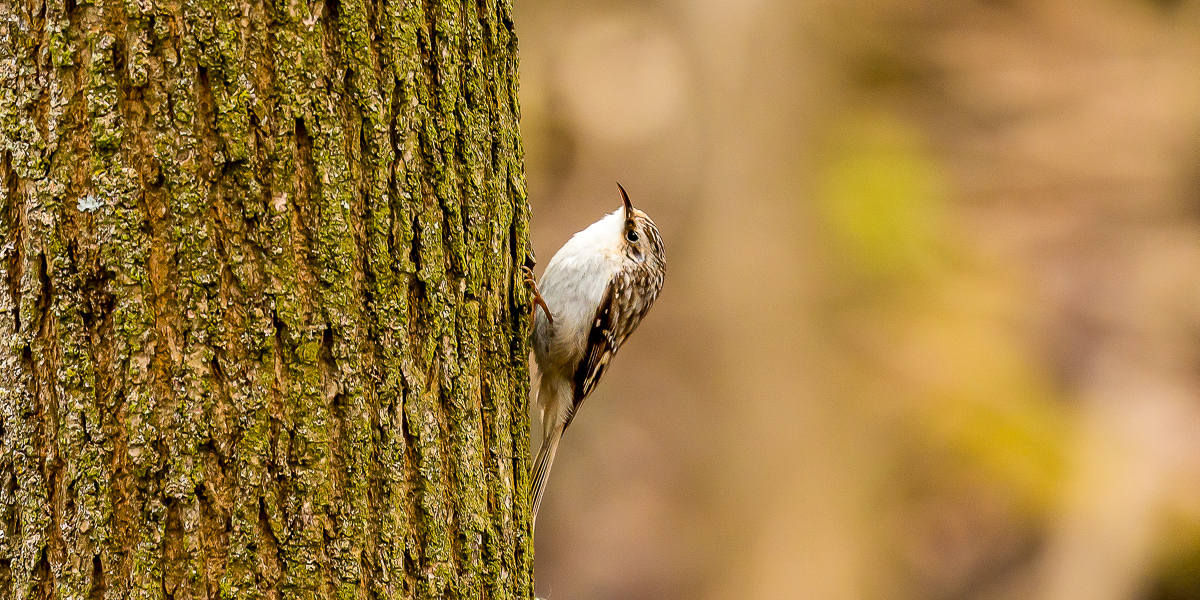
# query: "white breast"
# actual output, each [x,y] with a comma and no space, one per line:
[573,286]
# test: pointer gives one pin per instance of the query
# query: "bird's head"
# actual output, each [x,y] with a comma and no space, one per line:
[639,236]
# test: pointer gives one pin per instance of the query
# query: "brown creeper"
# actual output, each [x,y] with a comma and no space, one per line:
[598,286]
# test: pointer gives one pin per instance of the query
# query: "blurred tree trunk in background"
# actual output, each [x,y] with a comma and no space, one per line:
[263,328]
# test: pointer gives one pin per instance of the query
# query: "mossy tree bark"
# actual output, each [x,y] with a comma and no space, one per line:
[262,331]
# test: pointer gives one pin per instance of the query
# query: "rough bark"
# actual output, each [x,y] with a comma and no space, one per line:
[262,331]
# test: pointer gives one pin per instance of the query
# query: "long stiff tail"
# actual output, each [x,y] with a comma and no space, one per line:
[541,468]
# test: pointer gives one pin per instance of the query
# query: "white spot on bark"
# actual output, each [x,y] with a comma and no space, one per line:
[90,203]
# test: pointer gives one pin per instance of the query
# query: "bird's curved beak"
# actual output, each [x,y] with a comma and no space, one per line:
[625,199]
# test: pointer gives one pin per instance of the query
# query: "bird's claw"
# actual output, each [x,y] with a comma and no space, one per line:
[538,300]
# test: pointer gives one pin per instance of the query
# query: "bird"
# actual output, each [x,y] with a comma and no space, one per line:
[593,294]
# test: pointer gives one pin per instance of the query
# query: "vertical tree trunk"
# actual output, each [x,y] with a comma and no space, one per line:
[262,331]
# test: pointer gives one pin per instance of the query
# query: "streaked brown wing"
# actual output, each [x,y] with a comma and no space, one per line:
[603,341]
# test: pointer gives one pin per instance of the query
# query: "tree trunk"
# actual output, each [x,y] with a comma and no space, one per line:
[262,330]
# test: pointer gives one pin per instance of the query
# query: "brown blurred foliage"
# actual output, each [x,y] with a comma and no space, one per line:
[931,326]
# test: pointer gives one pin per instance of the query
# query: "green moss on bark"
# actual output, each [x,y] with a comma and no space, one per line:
[262,330]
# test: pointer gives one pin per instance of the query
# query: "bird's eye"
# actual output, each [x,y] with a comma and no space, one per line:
[632,236]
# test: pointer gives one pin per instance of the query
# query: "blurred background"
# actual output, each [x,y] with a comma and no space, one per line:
[931,325]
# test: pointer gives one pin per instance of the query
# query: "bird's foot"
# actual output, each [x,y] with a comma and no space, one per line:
[538,300]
